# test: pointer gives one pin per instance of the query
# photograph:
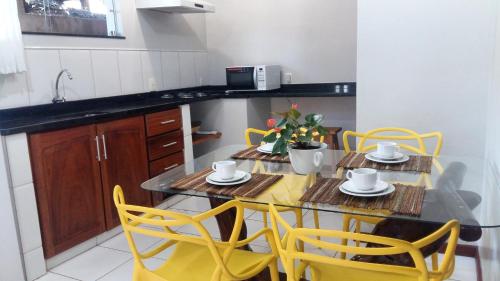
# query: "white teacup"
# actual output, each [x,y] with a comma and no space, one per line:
[363,178]
[387,149]
[224,169]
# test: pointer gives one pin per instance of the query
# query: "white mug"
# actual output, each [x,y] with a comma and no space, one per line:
[363,178]
[224,169]
[387,149]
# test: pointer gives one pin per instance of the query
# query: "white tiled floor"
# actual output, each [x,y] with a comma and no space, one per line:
[112,260]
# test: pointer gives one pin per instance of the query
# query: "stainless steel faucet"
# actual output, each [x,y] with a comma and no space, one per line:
[58,98]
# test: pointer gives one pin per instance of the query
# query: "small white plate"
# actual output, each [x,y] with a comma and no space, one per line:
[390,189]
[238,175]
[247,177]
[379,187]
[373,158]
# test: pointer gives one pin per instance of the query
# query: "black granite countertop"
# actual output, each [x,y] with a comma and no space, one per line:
[58,116]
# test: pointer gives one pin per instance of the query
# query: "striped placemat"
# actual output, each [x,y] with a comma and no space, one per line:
[252,153]
[417,163]
[405,200]
[252,188]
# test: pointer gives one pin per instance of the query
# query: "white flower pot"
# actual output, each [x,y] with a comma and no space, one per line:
[307,161]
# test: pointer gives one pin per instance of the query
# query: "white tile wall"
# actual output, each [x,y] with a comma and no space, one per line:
[129,63]
[13,90]
[201,64]
[43,67]
[19,159]
[34,263]
[187,69]
[27,217]
[101,73]
[152,75]
[170,66]
[79,64]
[106,73]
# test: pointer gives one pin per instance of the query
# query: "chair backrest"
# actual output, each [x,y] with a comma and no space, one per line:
[161,222]
[398,134]
[290,255]
[250,131]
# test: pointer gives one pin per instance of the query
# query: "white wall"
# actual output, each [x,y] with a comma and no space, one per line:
[314,40]
[161,51]
[490,242]
[425,65]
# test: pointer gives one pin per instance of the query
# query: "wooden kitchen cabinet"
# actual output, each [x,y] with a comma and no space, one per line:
[75,171]
[68,187]
[124,161]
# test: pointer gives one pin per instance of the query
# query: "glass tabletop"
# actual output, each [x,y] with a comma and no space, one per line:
[457,187]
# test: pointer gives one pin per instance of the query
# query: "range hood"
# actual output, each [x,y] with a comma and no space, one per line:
[175,6]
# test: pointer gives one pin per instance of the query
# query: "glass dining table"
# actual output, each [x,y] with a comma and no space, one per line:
[455,189]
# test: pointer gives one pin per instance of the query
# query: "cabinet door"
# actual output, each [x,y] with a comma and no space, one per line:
[124,162]
[68,187]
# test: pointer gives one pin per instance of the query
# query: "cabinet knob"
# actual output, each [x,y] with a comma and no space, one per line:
[170,144]
[171,167]
[167,122]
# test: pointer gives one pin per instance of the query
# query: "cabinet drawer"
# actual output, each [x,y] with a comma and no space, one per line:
[162,122]
[164,164]
[166,144]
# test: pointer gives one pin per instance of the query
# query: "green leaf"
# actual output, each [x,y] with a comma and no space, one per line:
[309,134]
[310,118]
[286,134]
[294,114]
[303,139]
[277,146]
[270,138]
[281,123]
[322,131]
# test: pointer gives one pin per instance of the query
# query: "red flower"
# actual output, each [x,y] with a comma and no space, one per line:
[277,130]
[271,122]
[295,106]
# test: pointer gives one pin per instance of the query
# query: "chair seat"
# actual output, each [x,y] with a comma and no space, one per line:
[195,263]
[333,273]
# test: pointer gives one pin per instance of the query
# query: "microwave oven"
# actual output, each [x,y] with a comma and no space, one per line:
[253,78]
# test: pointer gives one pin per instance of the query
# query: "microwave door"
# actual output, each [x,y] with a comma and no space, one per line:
[241,78]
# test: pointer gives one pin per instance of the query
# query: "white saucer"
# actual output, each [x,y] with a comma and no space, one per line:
[390,189]
[379,187]
[374,158]
[266,148]
[238,175]
[246,178]
[261,150]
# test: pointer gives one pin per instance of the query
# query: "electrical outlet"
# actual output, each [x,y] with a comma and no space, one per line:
[287,78]
[152,84]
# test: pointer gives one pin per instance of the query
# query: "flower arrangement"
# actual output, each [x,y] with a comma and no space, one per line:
[289,131]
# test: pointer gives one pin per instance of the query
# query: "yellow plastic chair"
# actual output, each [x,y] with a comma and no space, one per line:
[195,258]
[327,268]
[402,136]
[263,208]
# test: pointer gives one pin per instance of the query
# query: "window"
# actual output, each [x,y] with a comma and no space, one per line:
[99,18]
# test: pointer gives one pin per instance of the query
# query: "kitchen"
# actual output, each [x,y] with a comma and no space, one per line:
[160,66]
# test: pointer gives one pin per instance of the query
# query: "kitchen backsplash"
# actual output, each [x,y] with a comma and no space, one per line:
[101,73]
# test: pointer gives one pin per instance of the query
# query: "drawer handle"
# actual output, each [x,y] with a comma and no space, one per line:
[167,122]
[171,167]
[170,144]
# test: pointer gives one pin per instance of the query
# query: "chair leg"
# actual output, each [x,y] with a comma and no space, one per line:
[273,269]
[300,224]
[316,222]
[357,230]
[346,221]
[264,218]
[435,262]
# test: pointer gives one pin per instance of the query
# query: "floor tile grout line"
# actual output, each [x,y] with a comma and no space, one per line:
[73,278]
[114,268]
